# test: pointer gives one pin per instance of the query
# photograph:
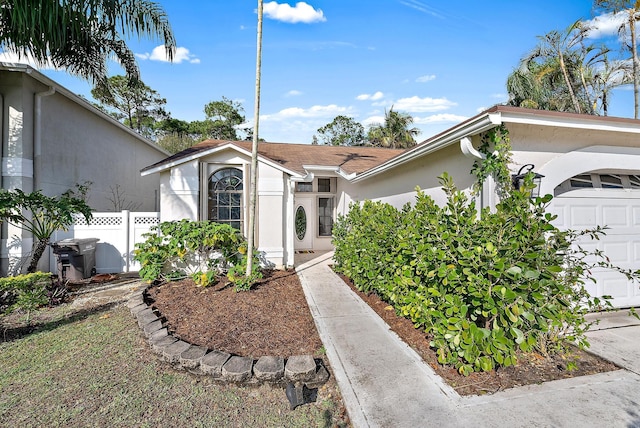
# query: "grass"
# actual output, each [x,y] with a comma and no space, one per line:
[94,369]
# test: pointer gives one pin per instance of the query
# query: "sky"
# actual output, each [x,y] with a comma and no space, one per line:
[441,62]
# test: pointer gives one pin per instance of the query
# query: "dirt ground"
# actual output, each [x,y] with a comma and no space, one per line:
[274,319]
[531,368]
[271,319]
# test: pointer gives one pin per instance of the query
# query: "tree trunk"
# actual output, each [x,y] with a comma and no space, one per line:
[567,80]
[634,53]
[254,150]
[38,249]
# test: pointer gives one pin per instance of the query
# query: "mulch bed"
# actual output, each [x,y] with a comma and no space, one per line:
[271,319]
[274,319]
[531,368]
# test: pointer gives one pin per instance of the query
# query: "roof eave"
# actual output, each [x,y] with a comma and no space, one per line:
[212,150]
[473,126]
[27,69]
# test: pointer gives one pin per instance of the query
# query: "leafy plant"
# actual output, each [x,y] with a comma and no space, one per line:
[26,292]
[483,286]
[237,274]
[42,215]
[200,249]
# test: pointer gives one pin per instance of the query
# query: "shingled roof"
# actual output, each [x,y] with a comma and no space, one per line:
[293,156]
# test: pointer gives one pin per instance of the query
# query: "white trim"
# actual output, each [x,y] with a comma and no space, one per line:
[324,168]
[586,160]
[27,69]
[474,126]
[214,150]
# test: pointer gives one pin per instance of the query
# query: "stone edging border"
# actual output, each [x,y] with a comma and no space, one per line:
[298,370]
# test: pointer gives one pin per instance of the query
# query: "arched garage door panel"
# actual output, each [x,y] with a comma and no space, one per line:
[619,209]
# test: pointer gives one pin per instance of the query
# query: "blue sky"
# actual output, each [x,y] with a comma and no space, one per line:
[441,62]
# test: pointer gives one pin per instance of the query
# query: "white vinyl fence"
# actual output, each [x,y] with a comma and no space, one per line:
[117,233]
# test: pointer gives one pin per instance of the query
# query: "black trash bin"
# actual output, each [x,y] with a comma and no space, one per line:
[76,258]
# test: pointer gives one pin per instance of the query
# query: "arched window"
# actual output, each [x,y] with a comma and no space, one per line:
[225,197]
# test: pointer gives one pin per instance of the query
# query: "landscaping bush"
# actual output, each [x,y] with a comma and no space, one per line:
[24,292]
[484,285]
[200,249]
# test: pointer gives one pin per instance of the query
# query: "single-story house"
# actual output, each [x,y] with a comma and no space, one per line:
[591,164]
[53,139]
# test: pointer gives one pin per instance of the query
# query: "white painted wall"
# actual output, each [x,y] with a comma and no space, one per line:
[180,195]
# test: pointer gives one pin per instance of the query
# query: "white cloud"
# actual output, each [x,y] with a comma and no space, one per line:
[373,120]
[605,25]
[439,118]
[373,97]
[328,111]
[159,53]
[301,12]
[293,93]
[15,59]
[426,78]
[420,105]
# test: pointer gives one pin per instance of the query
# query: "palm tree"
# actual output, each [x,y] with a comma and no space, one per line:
[563,73]
[82,35]
[558,45]
[632,10]
[395,132]
[610,75]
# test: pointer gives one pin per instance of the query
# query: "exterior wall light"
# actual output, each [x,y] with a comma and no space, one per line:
[518,179]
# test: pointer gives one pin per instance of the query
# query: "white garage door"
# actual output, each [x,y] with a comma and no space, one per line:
[611,200]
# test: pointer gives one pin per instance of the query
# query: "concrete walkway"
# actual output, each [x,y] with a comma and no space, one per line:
[384,383]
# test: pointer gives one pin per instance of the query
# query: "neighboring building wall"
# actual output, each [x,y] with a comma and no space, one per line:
[79,145]
[53,140]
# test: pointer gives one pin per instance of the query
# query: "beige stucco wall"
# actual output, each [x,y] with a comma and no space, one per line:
[397,186]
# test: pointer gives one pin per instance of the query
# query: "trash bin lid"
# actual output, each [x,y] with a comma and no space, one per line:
[80,245]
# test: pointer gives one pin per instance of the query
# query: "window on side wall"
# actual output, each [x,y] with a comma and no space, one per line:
[225,197]
[304,187]
[324,185]
[325,216]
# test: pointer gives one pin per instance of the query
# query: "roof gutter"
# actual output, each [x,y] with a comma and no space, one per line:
[466,129]
[334,169]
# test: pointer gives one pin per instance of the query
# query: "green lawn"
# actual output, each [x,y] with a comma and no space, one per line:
[96,370]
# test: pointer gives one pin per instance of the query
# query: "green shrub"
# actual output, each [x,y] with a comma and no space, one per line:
[483,285]
[200,249]
[26,292]
[237,274]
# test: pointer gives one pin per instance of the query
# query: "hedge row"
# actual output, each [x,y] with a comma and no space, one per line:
[482,285]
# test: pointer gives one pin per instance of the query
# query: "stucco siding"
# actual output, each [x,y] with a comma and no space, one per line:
[397,186]
[79,146]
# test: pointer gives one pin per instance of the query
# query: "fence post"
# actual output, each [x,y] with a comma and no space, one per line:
[127,239]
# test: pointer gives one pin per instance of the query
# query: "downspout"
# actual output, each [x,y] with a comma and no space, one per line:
[37,135]
[487,194]
[37,150]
